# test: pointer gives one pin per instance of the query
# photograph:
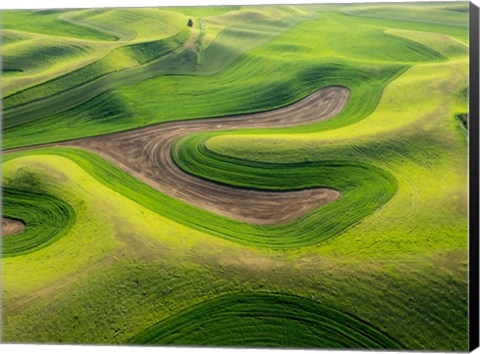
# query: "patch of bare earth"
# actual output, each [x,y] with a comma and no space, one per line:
[12,226]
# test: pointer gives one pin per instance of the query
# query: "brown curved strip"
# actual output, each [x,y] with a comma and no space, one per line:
[145,154]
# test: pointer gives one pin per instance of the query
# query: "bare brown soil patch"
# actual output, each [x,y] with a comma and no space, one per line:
[146,154]
[12,226]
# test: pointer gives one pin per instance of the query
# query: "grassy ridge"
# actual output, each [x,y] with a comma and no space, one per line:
[445,45]
[120,59]
[441,14]
[411,22]
[204,10]
[139,24]
[264,320]
[42,57]
[46,218]
[30,56]
[10,37]
[47,22]
[150,25]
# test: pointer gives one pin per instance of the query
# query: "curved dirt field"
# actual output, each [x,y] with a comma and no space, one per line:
[12,226]
[145,153]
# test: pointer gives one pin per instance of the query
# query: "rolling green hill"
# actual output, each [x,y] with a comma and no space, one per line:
[108,257]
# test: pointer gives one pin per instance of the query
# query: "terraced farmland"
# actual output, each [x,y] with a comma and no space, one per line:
[290,176]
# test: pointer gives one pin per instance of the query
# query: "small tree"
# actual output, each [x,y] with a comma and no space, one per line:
[190,23]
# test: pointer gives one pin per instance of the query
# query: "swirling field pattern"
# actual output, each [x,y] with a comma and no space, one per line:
[280,176]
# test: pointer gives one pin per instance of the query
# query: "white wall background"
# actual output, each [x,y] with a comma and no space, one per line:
[61,349]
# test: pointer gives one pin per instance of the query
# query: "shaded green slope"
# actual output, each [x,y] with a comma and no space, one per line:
[265,320]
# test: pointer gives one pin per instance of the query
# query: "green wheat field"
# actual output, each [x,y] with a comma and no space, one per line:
[261,176]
